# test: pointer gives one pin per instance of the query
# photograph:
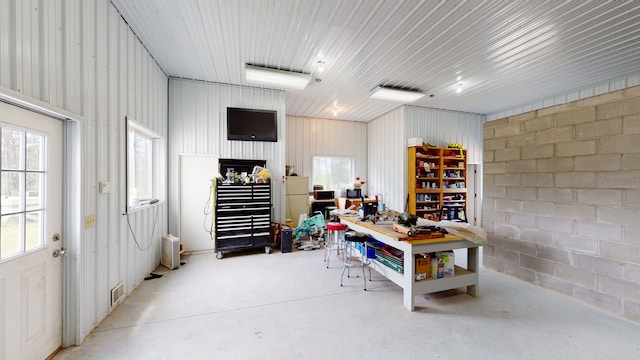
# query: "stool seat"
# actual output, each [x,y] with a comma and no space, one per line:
[334,239]
[351,238]
[354,236]
[336,226]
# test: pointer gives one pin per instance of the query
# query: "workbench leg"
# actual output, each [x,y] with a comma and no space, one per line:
[473,262]
[408,299]
[407,282]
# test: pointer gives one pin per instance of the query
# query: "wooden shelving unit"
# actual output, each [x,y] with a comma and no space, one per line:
[437,182]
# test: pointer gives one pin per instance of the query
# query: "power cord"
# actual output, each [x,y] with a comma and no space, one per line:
[153,230]
[208,209]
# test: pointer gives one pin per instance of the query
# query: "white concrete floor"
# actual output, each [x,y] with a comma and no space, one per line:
[289,306]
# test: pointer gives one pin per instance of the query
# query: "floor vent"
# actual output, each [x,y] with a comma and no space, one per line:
[117,293]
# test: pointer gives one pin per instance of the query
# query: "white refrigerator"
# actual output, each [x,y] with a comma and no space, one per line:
[297,197]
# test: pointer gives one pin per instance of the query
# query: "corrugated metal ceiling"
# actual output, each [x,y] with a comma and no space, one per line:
[505,53]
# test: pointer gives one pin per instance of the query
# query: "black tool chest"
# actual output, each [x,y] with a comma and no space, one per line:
[243,217]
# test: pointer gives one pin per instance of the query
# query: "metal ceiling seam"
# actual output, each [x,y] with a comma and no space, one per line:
[441,69]
[335,56]
[196,32]
[538,57]
[402,64]
[399,23]
[376,74]
[227,42]
[292,29]
[138,37]
[167,33]
[358,49]
[302,43]
[542,101]
[433,66]
[337,62]
[182,29]
[316,46]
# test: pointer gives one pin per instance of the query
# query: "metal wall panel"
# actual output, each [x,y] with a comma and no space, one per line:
[387,158]
[442,127]
[504,53]
[563,98]
[197,125]
[388,134]
[309,137]
[79,56]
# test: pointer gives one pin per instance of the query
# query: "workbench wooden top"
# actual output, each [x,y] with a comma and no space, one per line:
[386,228]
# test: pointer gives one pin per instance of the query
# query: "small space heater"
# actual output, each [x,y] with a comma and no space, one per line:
[170,252]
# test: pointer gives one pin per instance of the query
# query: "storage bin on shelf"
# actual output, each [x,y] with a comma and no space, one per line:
[387,258]
[371,252]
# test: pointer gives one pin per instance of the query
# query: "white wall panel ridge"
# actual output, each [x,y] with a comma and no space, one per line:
[387,154]
[80,56]
[308,137]
[197,125]
[567,97]
[441,127]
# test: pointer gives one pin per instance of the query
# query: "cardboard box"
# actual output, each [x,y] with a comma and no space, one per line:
[415,141]
[423,266]
[437,268]
[448,258]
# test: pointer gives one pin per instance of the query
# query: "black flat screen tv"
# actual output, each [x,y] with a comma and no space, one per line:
[252,124]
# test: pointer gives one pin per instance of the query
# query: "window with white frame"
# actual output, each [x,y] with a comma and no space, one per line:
[333,172]
[22,183]
[142,173]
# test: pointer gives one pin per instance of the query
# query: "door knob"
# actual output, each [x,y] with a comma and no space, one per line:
[59,252]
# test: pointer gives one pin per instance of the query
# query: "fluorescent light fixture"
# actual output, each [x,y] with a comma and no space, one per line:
[276,78]
[387,93]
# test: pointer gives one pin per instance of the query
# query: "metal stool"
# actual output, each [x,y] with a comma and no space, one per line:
[334,240]
[351,238]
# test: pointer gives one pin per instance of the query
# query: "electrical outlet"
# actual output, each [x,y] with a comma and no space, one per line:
[104,187]
[90,221]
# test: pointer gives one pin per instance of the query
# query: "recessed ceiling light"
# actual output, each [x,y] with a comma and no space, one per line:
[394,94]
[276,78]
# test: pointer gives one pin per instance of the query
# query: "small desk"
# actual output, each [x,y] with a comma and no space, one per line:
[319,205]
[383,232]
[356,202]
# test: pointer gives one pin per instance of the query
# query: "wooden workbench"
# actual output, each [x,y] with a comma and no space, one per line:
[383,232]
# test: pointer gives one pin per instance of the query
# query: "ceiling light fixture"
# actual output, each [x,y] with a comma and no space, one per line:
[459,87]
[320,66]
[393,94]
[276,78]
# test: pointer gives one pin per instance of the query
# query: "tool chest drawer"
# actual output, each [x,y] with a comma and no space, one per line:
[243,217]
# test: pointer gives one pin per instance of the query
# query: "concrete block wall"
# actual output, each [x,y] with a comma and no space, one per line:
[562,199]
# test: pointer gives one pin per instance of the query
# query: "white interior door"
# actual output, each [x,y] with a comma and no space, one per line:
[474,207]
[196,172]
[31,214]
